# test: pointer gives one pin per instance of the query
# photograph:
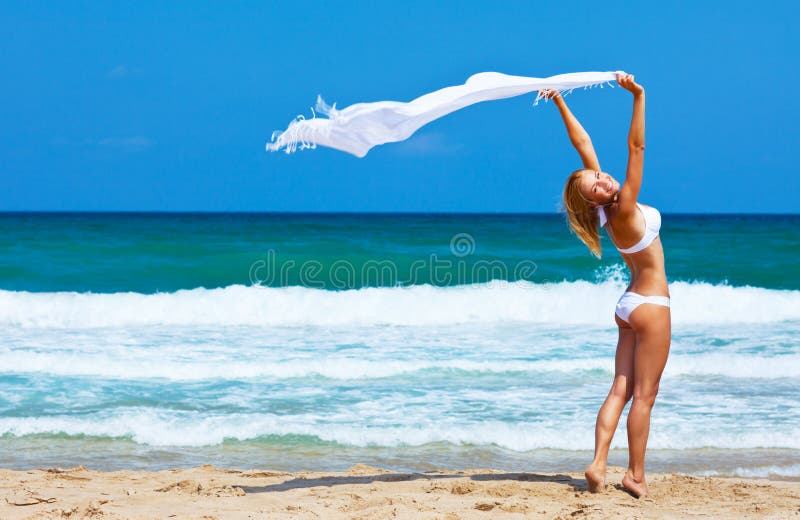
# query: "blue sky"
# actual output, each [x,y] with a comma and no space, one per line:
[159,106]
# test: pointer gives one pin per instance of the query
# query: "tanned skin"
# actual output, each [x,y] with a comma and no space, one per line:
[644,341]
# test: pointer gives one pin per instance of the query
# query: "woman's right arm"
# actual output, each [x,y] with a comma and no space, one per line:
[577,135]
[633,176]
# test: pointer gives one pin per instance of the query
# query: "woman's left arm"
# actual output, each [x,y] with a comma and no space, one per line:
[633,175]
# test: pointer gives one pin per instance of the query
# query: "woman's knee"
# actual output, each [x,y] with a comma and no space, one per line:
[622,389]
[645,395]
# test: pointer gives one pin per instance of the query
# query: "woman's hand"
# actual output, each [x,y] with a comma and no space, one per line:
[550,94]
[626,81]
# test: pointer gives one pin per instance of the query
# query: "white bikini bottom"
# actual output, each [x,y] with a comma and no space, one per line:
[630,300]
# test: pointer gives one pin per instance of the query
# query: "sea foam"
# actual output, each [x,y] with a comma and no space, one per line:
[564,303]
[231,368]
[170,428]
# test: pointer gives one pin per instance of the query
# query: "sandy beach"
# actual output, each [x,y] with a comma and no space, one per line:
[365,492]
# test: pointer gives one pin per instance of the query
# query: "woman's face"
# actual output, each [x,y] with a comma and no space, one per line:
[598,187]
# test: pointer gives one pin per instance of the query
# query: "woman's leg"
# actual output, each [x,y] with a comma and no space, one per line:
[608,416]
[652,325]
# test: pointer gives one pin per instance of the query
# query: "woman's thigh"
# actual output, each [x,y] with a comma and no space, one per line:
[652,325]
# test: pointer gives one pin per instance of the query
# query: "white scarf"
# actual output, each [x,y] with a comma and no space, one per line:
[357,128]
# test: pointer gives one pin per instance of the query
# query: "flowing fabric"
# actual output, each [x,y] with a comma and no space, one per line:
[357,128]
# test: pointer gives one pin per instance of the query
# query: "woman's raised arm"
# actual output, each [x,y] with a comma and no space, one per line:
[577,135]
[633,176]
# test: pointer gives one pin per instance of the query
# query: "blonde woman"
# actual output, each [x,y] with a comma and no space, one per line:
[594,199]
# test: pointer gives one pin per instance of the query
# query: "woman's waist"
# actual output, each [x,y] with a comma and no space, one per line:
[647,271]
[649,286]
[649,280]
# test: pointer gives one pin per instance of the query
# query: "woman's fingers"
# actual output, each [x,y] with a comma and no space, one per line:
[549,93]
[627,81]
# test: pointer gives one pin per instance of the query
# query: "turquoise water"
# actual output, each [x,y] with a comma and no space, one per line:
[166,252]
[406,341]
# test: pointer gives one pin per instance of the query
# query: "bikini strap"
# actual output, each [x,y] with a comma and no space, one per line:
[602,215]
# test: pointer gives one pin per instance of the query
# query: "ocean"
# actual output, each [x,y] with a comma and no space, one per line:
[405,341]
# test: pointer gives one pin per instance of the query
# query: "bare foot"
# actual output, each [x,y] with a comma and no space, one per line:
[596,478]
[637,489]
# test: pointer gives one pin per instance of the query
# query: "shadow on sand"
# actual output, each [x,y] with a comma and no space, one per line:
[576,484]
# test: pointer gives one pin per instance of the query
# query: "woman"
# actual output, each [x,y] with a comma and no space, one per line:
[594,199]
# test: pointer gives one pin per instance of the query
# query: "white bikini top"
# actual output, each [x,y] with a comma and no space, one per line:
[652,225]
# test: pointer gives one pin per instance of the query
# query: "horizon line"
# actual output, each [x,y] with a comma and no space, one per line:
[341,212]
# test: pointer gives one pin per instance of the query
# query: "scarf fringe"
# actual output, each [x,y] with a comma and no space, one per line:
[567,92]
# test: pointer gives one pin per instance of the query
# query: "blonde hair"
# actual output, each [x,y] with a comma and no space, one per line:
[581,214]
